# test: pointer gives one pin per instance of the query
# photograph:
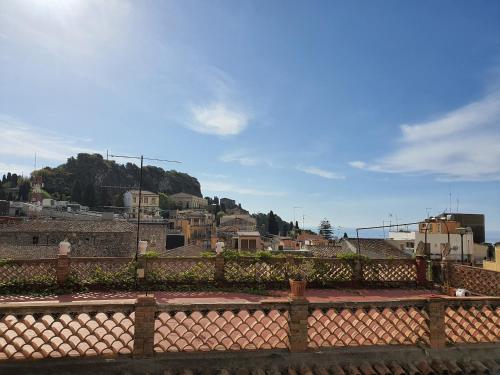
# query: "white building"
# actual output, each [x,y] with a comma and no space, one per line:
[437,241]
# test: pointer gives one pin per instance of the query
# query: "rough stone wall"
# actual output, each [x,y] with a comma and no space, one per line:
[113,244]
[27,252]
[155,234]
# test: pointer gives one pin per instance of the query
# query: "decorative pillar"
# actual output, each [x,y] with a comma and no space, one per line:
[421,265]
[357,272]
[299,312]
[437,332]
[62,269]
[219,268]
[145,309]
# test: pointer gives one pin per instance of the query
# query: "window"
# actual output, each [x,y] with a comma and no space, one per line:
[153,200]
[135,200]
[145,200]
[244,245]
[35,240]
[252,244]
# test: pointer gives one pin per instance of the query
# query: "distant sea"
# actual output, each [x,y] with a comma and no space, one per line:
[492,236]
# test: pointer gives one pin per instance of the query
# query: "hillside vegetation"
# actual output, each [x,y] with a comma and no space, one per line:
[86,180]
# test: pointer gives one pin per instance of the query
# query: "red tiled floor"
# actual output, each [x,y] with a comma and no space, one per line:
[313,295]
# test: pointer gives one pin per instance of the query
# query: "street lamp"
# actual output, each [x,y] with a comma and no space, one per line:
[461,231]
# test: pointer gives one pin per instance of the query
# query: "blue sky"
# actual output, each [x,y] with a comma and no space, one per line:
[352,110]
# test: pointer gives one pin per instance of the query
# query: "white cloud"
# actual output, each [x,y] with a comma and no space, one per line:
[21,141]
[357,164]
[320,172]
[223,187]
[240,157]
[217,119]
[460,145]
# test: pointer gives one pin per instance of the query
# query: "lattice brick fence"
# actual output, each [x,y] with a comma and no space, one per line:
[367,325]
[143,327]
[95,271]
[50,331]
[472,322]
[475,279]
[221,328]
[28,272]
[390,271]
[179,270]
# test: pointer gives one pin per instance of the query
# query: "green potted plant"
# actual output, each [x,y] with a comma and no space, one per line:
[297,285]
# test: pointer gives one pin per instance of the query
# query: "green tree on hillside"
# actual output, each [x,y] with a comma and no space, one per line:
[272,226]
[24,190]
[76,192]
[89,198]
[325,229]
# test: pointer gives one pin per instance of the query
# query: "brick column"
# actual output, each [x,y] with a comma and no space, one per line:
[219,269]
[62,269]
[299,312]
[145,309]
[421,265]
[357,272]
[436,308]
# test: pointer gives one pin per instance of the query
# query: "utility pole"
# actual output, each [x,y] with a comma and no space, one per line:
[141,158]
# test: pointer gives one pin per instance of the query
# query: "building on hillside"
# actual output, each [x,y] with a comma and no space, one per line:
[245,223]
[228,203]
[87,238]
[308,239]
[4,208]
[198,227]
[280,243]
[247,241]
[150,203]
[374,248]
[188,201]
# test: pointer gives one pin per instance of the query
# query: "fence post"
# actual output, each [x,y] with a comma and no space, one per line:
[299,312]
[145,308]
[219,268]
[421,265]
[357,272]
[62,268]
[437,334]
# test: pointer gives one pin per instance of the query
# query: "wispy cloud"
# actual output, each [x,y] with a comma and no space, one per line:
[22,141]
[224,187]
[218,119]
[357,164]
[460,145]
[242,157]
[320,172]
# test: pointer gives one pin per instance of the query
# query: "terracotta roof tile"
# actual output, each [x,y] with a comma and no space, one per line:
[419,367]
[79,226]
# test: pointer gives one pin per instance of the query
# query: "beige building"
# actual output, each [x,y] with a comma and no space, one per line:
[198,227]
[247,241]
[245,223]
[150,203]
[188,201]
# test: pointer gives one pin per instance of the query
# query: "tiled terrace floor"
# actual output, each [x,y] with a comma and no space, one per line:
[313,295]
